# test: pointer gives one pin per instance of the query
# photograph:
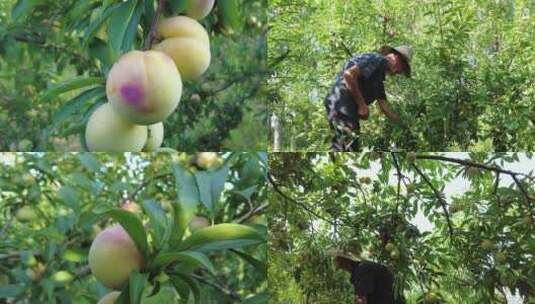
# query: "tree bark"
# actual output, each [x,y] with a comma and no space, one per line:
[276,130]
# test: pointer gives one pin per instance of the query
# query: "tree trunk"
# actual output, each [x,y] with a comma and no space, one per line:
[276,130]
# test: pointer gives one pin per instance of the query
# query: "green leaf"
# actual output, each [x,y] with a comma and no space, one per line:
[82,7]
[158,220]
[177,6]
[89,161]
[260,298]
[133,293]
[211,184]
[133,225]
[131,30]
[221,236]
[80,179]
[148,14]
[230,13]
[118,24]
[70,196]
[136,285]
[97,23]
[181,218]
[181,287]
[104,53]
[252,172]
[186,187]
[23,8]
[11,290]
[186,205]
[260,266]
[191,257]
[69,85]
[246,193]
[193,286]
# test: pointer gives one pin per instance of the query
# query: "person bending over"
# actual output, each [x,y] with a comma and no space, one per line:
[373,282]
[358,85]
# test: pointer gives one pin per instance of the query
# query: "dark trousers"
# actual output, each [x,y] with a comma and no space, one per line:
[346,131]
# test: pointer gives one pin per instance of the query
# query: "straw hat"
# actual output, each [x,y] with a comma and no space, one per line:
[404,51]
[344,255]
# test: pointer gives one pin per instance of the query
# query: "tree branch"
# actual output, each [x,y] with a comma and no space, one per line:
[144,184]
[153,27]
[227,291]
[439,197]
[400,176]
[252,212]
[496,169]
[469,163]
[343,221]
[289,199]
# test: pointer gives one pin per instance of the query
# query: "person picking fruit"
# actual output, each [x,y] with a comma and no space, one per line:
[373,282]
[358,85]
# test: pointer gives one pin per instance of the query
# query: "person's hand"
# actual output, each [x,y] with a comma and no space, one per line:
[360,300]
[394,118]
[363,111]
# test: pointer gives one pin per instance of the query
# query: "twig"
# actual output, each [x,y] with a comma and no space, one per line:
[496,169]
[400,176]
[237,79]
[307,208]
[144,184]
[6,226]
[304,206]
[227,291]
[252,212]
[153,27]
[346,49]
[524,192]
[469,163]
[82,272]
[496,183]
[439,197]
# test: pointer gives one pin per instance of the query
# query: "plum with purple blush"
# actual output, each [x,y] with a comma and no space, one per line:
[144,87]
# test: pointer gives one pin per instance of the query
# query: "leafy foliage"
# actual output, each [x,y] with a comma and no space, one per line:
[471,85]
[53,205]
[461,226]
[55,55]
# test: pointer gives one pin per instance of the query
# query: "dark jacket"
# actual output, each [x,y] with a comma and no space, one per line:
[339,102]
[374,281]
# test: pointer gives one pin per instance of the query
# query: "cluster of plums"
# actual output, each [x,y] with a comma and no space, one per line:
[144,87]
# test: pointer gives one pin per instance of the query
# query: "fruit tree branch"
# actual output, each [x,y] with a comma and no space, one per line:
[144,184]
[400,176]
[153,27]
[470,164]
[227,291]
[514,175]
[252,212]
[439,197]
[307,208]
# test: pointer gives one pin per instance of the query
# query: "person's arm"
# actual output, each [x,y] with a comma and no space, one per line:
[360,300]
[345,264]
[351,77]
[394,117]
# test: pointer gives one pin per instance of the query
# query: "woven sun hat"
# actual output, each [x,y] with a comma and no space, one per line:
[404,51]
